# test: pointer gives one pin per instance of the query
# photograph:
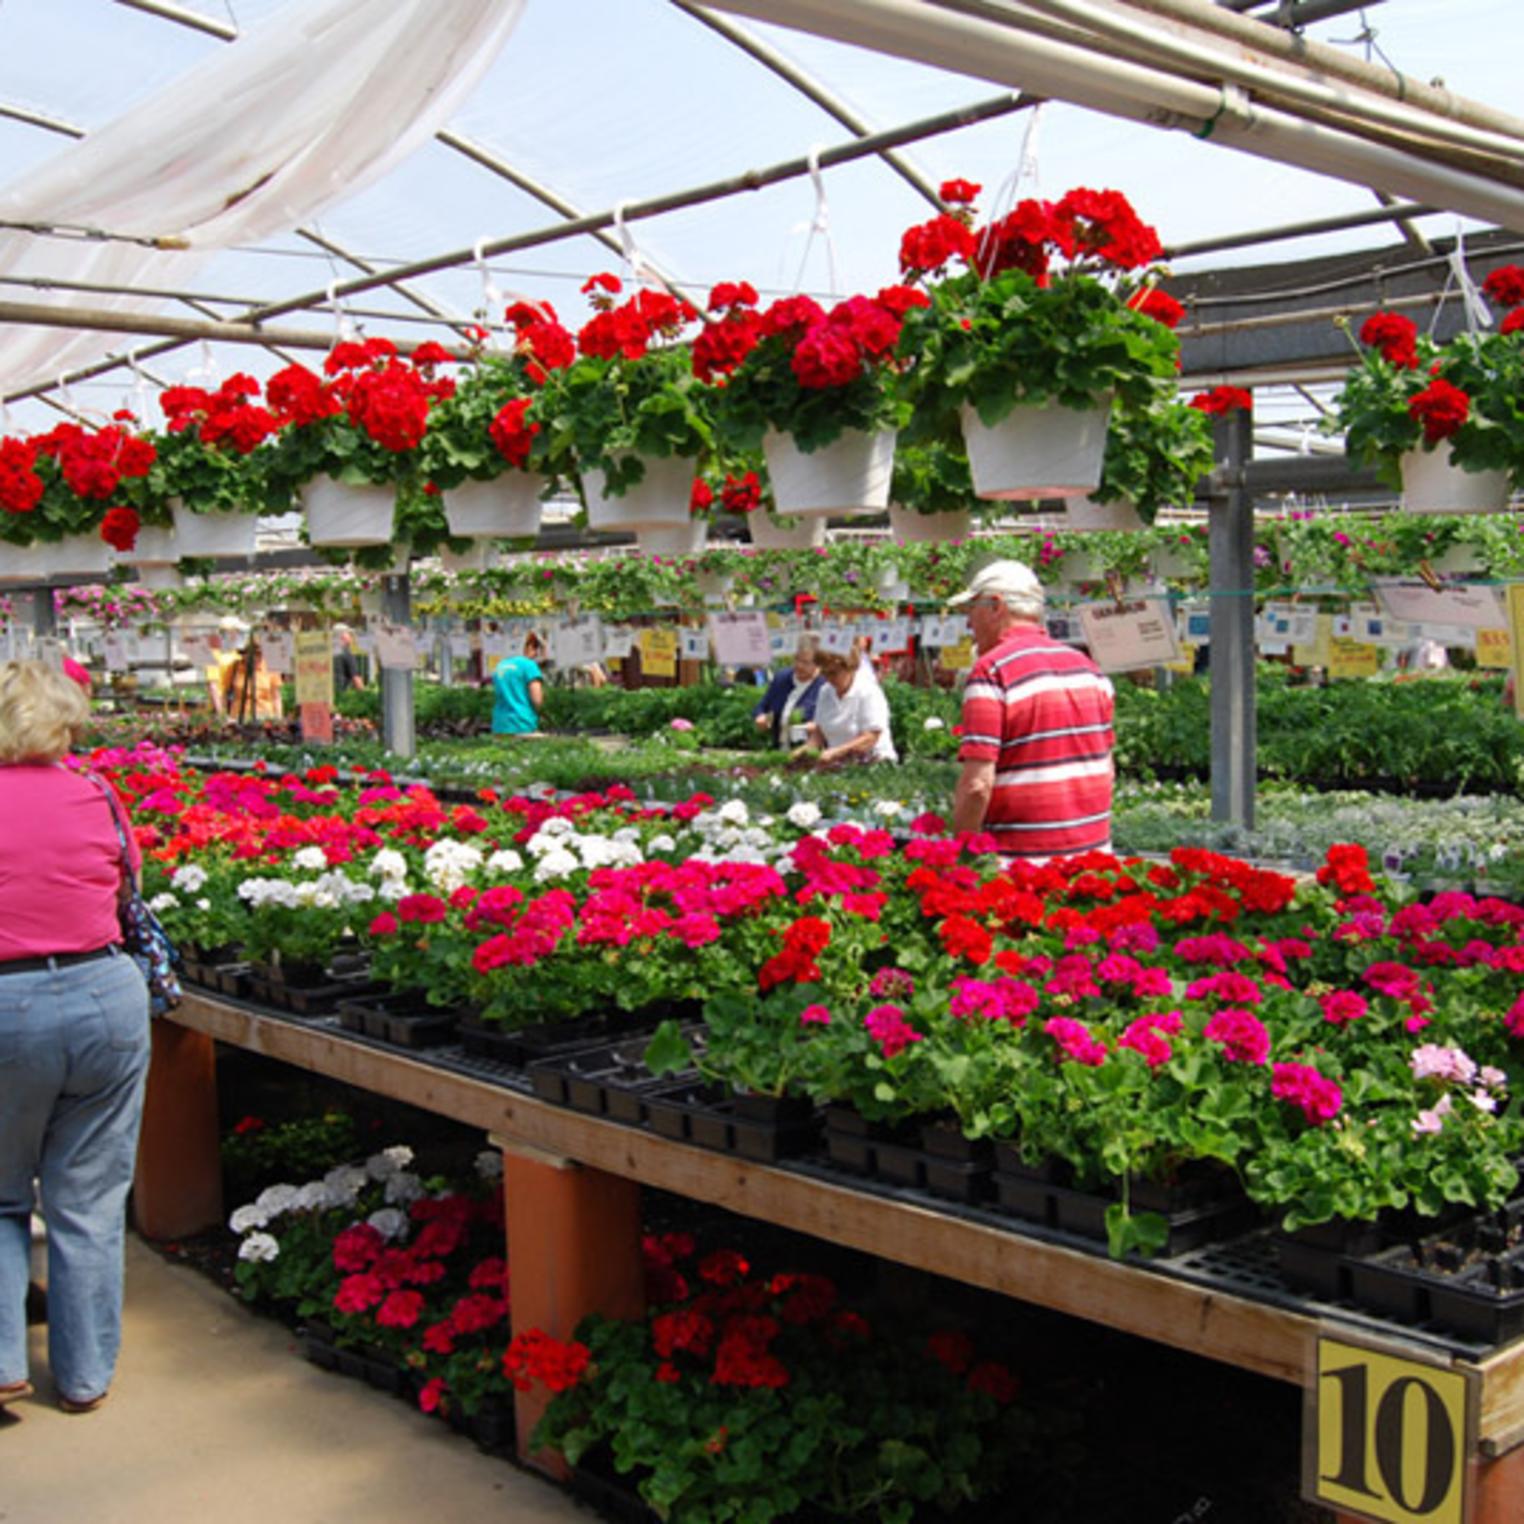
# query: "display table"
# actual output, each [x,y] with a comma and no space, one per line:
[572,1185]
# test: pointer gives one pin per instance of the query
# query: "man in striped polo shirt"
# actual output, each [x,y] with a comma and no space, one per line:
[1037,727]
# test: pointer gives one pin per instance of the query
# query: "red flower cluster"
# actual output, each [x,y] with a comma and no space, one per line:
[512,434]
[725,341]
[803,942]
[929,246]
[1223,399]
[628,330]
[1157,304]
[535,1356]
[1441,408]
[1347,868]
[94,463]
[545,344]
[1505,286]
[391,404]
[119,527]
[228,416]
[1395,336]
[1318,1099]
[741,494]
[21,487]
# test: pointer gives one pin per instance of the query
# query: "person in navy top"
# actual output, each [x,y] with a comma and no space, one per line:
[789,703]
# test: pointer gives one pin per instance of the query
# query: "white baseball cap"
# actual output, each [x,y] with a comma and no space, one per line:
[1014,581]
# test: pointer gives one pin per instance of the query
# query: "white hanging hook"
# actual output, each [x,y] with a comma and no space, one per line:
[1009,191]
[65,395]
[141,398]
[344,331]
[494,302]
[5,416]
[1478,314]
[639,267]
[819,226]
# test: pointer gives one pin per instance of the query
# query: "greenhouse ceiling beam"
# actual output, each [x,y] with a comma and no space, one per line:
[811,88]
[182,330]
[1309,229]
[223,31]
[1294,13]
[948,39]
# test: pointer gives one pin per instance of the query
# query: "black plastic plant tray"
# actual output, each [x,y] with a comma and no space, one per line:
[522,1046]
[233,979]
[704,1115]
[403,1020]
[609,1080]
[611,1497]
[321,999]
[1466,1301]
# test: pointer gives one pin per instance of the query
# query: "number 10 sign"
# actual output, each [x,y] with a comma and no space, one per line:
[1388,1437]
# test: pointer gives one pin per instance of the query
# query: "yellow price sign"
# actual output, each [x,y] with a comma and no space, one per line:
[313,659]
[1494,648]
[1187,662]
[1516,630]
[958,658]
[1315,653]
[1388,1436]
[658,652]
[1352,658]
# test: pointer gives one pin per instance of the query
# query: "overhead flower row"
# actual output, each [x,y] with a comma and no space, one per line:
[1030,357]
[1339,1050]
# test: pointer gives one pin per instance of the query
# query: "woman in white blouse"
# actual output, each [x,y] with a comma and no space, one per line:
[851,715]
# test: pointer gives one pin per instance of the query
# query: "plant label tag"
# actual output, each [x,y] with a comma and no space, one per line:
[741,640]
[312,660]
[460,647]
[1137,632]
[278,651]
[618,642]
[1352,658]
[1388,1437]
[396,646]
[958,657]
[837,638]
[1475,608]
[658,652]
[1516,631]
[695,647]
[113,645]
[955,627]
[1494,648]
[891,635]
[197,650]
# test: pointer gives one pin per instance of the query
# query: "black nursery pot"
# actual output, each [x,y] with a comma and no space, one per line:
[774,1110]
[945,1139]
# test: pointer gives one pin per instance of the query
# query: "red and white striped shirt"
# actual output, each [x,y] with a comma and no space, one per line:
[1042,713]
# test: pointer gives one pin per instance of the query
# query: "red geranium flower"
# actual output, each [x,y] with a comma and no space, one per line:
[1441,408]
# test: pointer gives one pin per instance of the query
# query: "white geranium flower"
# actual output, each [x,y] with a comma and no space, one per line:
[389,1223]
[554,865]
[734,812]
[505,860]
[403,1188]
[447,863]
[557,825]
[489,1164]
[275,1200]
[162,902]
[931,722]
[310,1197]
[803,814]
[662,843]
[246,1217]
[388,1162]
[309,859]
[261,1248]
[388,863]
[344,1183]
[203,903]
[888,808]
[188,877]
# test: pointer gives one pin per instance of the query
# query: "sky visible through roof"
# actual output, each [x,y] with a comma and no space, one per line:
[610,100]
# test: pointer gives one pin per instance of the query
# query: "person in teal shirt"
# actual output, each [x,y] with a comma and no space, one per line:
[518,689]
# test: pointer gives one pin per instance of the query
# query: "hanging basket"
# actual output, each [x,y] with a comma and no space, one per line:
[713,585]
[1078,566]
[212,534]
[1085,513]
[159,577]
[154,547]
[682,540]
[849,477]
[507,508]
[477,558]
[1460,560]
[1433,483]
[78,555]
[770,533]
[347,517]
[23,563]
[1172,564]
[924,528]
[658,501]
[1036,452]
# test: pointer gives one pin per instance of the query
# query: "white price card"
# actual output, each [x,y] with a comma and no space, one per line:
[891,635]
[495,646]
[1137,632]
[1475,608]
[618,642]
[396,646]
[578,642]
[836,638]
[741,640]
[460,646]
[278,651]
[114,648]
[692,644]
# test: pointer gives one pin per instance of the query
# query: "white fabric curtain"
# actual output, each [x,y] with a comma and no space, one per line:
[303,112]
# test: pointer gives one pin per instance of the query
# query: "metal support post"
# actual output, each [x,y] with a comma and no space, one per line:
[1231,545]
[397,729]
[44,614]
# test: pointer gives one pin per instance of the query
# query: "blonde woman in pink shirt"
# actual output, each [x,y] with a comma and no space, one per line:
[73,1040]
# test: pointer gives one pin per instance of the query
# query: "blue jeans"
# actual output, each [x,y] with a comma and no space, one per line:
[73,1063]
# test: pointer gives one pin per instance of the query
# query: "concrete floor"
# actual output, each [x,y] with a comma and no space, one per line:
[215,1415]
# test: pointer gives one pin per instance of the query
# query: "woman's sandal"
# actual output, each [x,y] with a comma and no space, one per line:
[15,1392]
[89,1405]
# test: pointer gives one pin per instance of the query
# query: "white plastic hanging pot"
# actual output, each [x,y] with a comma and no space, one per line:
[713,584]
[506,508]
[849,477]
[159,577]
[1172,563]
[78,555]
[154,547]
[906,524]
[682,540]
[1079,566]
[1085,513]
[1433,483]
[892,585]
[212,534]
[476,558]
[660,500]
[23,563]
[347,517]
[1037,451]
[1460,560]
[768,533]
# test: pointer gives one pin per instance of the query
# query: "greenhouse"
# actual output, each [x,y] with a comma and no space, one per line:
[761,760]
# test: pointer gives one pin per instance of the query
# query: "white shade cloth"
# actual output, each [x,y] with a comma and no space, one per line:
[303,112]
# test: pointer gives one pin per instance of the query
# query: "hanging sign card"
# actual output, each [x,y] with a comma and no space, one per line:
[618,642]
[837,638]
[1494,648]
[197,649]
[312,657]
[958,657]
[279,652]
[658,652]
[114,648]
[694,645]
[1352,658]
[1137,632]
[396,646]
[1475,608]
